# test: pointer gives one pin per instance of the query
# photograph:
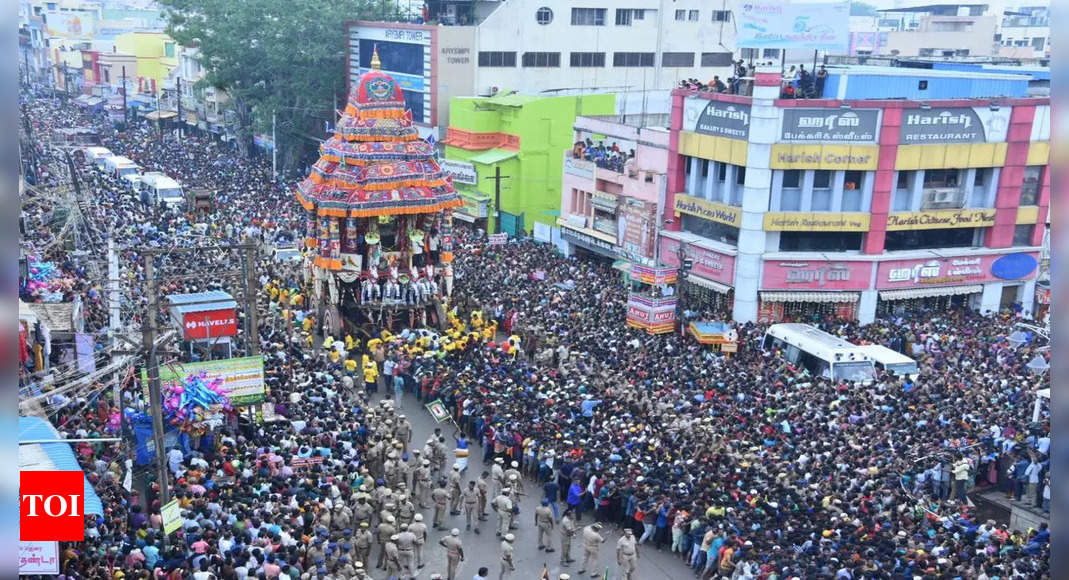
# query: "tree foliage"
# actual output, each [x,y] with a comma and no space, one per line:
[284,57]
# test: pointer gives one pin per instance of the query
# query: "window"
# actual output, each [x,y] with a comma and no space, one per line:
[749,53]
[638,14]
[1022,234]
[168,49]
[681,14]
[678,59]
[1030,185]
[853,183]
[716,59]
[414,102]
[632,59]
[501,59]
[398,57]
[541,59]
[941,178]
[979,178]
[821,200]
[710,229]
[587,59]
[624,16]
[905,179]
[819,241]
[692,15]
[791,200]
[721,172]
[792,178]
[821,179]
[588,17]
[544,16]
[770,53]
[929,239]
[705,167]
[740,175]
[721,16]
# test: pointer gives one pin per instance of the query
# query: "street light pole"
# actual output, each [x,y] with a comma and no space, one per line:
[274,149]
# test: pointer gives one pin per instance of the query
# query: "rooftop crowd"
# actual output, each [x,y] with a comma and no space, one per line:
[747,467]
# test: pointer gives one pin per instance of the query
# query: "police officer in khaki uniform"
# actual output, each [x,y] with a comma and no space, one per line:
[454,552]
[627,555]
[567,532]
[497,472]
[386,529]
[456,490]
[440,497]
[484,489]
[544,521]
[422,479]
[406,510]
[592,541]
[471,502]
[393,560]
[362,542]
[513,477]
[419,529]
[406,548]
[503,506]
[507,556]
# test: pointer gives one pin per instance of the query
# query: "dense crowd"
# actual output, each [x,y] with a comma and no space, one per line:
[747,467]
[609,157]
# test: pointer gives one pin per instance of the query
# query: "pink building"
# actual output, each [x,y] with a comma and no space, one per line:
[613,187]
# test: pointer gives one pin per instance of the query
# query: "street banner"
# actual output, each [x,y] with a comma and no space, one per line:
[438,410]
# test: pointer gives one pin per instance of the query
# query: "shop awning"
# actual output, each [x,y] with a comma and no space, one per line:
[162,115]
[910,293]
[623,266]
[709,284]
[824,297]
[52,457]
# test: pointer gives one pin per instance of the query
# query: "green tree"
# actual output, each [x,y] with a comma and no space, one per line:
[280,57]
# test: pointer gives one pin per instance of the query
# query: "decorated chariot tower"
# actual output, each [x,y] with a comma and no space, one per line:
[378,229]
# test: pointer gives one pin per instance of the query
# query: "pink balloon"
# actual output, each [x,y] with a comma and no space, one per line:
[179,389]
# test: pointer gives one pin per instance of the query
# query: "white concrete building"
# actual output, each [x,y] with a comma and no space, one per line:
[1024,33]
[938,30]
[548,46]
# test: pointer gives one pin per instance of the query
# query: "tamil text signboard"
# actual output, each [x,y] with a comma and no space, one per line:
[830,125]
[794,25]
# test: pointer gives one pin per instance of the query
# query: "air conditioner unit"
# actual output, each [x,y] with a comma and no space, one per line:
[942,198]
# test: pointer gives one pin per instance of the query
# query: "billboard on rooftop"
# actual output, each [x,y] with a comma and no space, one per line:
[790,25]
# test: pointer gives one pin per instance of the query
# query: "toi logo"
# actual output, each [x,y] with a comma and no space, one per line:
[51,506]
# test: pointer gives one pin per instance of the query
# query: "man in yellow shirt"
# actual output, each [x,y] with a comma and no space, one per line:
[350,365]
[371,375]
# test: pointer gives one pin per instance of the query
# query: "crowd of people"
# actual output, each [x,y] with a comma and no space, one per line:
[745,467]
[609,157]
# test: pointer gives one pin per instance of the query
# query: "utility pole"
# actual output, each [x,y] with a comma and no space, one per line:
[123,90]
[115,321]
[497,197]
[181,121]
[274,149]
[152,368]
[159,121]
[252,337]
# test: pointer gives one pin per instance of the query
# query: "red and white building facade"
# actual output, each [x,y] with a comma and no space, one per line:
[792,209]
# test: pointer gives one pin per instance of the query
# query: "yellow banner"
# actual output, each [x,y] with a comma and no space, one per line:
[841,157]
[709,210]
[937,219]
[816,222]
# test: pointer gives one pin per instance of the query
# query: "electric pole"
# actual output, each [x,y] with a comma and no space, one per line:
[497,197]
[152,369]
[123,90]
[181,121]
[274,149]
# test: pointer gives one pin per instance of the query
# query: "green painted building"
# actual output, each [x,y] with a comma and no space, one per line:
[526,137]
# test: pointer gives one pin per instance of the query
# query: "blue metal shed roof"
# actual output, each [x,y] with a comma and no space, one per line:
[201,301]
[59,454]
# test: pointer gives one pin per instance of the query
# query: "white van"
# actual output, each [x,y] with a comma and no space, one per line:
[822,354]
[97,155]
[886,359]
[162,188]
[119,166]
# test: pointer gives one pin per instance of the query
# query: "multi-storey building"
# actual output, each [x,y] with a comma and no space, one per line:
[1025,33]
[609,203]
[942,30]
[905,187]
[545,46]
